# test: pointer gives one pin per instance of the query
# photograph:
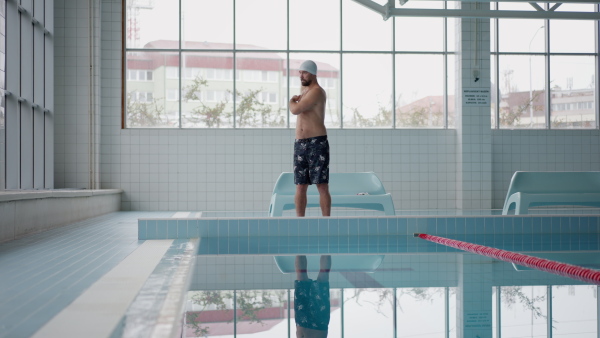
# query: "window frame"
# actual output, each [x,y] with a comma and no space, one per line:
[236,75]
[495,54]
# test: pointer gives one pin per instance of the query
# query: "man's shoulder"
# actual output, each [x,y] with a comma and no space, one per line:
[321,91]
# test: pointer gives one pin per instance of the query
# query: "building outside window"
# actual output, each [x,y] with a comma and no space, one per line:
[543,71]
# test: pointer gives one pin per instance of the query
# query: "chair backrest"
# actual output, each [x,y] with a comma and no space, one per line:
[339,184]
[555,182]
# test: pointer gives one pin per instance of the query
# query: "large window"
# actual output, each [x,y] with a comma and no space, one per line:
[234,64]
[543,71]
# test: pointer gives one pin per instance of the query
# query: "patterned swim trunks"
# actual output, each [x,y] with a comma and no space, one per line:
[311,304]
[311,160]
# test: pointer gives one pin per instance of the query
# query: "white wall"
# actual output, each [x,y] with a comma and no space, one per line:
[234,170]
[540,150]
[77,113]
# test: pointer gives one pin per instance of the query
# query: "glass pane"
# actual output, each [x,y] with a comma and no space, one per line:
[452,305]
[207,90]
[564,7]
[152,24]
[209,313]
[367,90]
[522,91]
[152,87]
[261,311]
[572,36]
[374,304]
[422,4]
[328,76]
[199,19]
[322,36]
[364,30]
[451,83]
[419,91]
[414,304]
[581,323]
[515,6]
[430,37]
[572,94]
[523,311]
[521,35]
[493,92]
[261,24]
[259,89]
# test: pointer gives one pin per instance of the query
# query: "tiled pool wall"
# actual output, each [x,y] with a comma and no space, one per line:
[313,235]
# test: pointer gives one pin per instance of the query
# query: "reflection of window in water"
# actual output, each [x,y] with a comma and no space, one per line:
[211,313]
[524,309]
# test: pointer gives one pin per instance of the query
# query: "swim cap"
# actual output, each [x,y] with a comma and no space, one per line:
[309,66]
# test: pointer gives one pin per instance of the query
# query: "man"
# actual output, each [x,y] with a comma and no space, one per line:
[311,148]
[311,299]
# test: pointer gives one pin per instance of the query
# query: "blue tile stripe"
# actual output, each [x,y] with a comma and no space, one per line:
[375,234]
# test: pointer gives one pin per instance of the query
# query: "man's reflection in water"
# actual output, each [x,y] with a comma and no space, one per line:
[311,299]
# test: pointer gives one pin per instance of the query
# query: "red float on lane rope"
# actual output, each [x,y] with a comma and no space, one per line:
[562,269]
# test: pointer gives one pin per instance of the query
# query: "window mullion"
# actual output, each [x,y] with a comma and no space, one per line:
[181,65]
[234,65]
[596,71]
[547,74]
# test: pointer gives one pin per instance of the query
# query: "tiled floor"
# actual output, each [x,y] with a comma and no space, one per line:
[43,273]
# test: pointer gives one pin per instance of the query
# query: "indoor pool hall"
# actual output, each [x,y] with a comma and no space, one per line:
[299,168]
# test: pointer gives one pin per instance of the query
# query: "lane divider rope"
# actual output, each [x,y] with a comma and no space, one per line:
[558,268]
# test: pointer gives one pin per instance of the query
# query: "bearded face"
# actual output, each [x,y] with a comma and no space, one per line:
[305,78]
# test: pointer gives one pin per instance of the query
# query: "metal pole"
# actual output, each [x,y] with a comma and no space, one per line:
[288,313]
[234,313]
[549,305]
[395,314]
[342,311]
[498,311]
[447,312]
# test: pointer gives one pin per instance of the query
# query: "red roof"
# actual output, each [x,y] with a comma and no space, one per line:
[259,60]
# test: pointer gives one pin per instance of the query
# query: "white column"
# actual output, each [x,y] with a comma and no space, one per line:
[474,298]
[474,146]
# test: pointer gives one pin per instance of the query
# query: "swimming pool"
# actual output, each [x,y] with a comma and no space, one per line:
[420,288]
[407,296]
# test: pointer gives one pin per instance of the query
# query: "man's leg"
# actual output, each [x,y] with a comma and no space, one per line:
[324,198]
[301,268]
[300,199]
[325,267]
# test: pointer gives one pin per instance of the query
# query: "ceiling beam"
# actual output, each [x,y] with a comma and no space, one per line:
[387,11]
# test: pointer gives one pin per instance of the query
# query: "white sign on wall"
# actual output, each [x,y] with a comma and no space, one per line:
[482,319]
[476,97]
